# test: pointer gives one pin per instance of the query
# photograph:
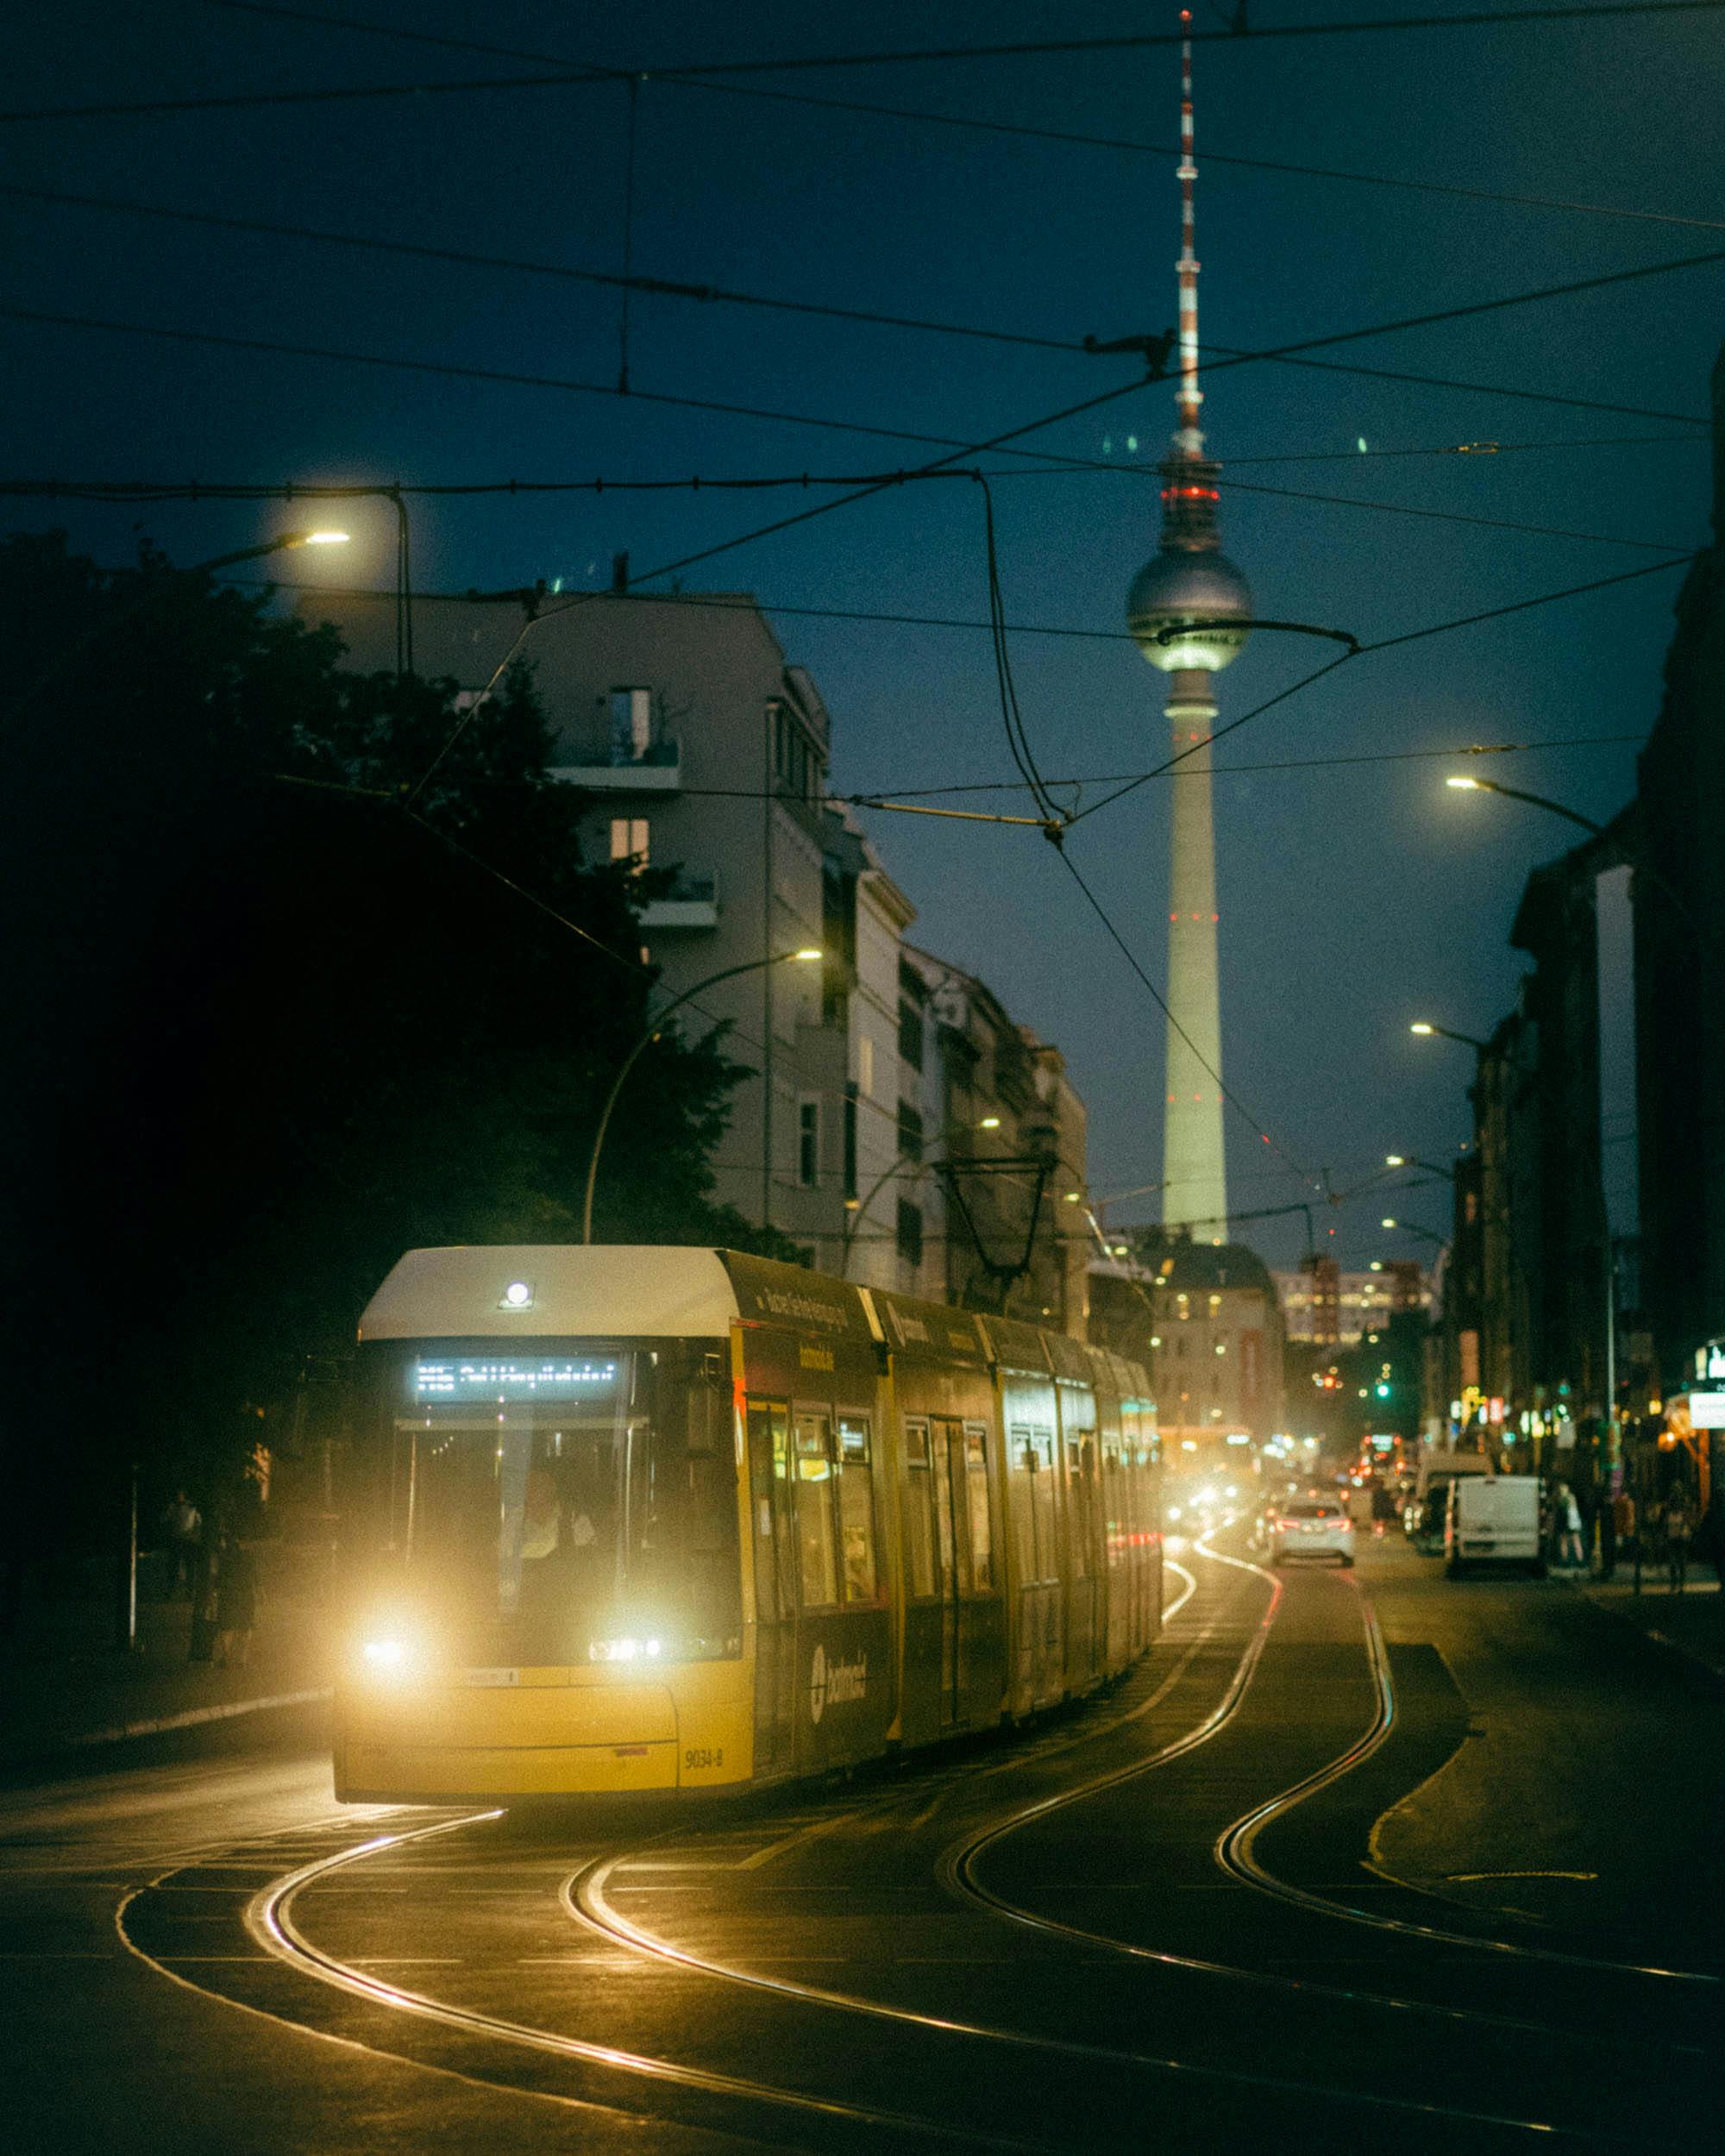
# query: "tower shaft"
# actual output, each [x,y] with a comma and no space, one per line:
[1193,1162]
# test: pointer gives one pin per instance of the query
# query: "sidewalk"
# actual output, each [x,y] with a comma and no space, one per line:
[1691,1623]
[64,1689]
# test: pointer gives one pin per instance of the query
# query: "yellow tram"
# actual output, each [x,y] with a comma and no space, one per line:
[652,1519]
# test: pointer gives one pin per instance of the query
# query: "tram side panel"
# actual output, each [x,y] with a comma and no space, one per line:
[825,1692]
[1086,1627]
[951,1525]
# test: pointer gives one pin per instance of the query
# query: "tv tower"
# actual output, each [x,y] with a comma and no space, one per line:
[1189,584]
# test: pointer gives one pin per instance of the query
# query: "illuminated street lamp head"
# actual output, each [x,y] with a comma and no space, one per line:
[1394,1160]
[989,1122]
[314,539]
[807,956]
[1387,1223]
[1465,786]
[1421,1026]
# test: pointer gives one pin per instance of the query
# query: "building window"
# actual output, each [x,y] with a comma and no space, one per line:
[910,1232]
[865,1065]
[850,1141]
[631,725]
[629,840]
[910,1033]
[910,1131]
[809,1144]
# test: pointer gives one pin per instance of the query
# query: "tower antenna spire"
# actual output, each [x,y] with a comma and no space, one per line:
[1190,440]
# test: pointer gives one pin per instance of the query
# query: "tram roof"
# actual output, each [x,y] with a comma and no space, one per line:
[603,1291]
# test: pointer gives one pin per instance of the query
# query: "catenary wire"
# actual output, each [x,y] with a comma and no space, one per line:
[1381,643]
[123,491]
[252,101]
[1225,356]
[1144,41]
[707,83]
[1161,1002]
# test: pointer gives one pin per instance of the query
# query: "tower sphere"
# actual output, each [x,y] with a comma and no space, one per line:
[1173,589]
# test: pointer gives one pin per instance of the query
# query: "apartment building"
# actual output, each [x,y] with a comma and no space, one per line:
[702,750]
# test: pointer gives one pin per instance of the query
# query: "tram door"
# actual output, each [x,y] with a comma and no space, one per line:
[775,1598]
[947,1440]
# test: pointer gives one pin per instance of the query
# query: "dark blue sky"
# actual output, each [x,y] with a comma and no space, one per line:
[1354,897]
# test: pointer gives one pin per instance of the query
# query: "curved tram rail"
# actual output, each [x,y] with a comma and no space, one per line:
[271,1919]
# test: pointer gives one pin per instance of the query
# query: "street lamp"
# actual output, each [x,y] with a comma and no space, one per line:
[144,599]
[728,973]
[1642,867]
[855,1208]
[1424,1026]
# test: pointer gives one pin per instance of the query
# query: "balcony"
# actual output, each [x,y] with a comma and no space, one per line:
[657,769]
[692,902]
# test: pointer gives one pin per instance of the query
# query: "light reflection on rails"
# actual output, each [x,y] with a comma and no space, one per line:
[584,1894]
[270,1919]
[1235,1847]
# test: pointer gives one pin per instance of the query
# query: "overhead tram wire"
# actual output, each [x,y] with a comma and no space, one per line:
[252,101]
[662,78]
[1279,356]
[717,295]
[782,523]
[1364,650]
[1150,40]
[145,491]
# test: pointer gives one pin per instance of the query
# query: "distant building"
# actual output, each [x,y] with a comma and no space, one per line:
[703,751]
[1205,1320]
[1327,1308]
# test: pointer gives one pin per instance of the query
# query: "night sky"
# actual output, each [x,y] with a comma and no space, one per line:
[1354,896]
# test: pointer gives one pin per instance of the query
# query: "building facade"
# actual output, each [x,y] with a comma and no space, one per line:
[702,754]
[1324,1306]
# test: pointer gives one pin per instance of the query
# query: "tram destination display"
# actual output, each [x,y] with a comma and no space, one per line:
[494,1378]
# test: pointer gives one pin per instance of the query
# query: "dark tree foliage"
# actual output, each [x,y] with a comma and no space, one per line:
[266,1030]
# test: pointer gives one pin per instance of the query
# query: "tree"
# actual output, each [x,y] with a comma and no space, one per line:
[272,1027]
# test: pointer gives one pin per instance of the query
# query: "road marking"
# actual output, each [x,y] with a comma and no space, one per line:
[1465,1877]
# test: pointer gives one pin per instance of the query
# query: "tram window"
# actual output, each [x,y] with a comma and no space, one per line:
[536,1526]
[918,1511]
[856,1509]
[976,1484]
[1080,1479]
[1021,1502]
[1042,1506]
[815,1491]
[1113,1501]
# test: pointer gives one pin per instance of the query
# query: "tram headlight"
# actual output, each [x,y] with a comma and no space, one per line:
[389,1656]
[629,1649]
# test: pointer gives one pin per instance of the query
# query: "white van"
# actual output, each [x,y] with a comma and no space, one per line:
[1493,1518]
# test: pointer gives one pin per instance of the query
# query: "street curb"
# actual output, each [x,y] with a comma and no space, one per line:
[189,1717]
[1651,1632]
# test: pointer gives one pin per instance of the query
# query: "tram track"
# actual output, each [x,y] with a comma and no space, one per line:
[271,1920]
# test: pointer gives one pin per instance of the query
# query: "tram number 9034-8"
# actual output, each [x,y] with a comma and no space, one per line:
[697,1759]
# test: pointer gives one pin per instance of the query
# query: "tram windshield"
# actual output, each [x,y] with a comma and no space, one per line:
[569,1507]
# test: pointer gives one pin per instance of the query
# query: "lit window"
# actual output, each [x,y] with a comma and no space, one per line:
[865,1065]
[629,840]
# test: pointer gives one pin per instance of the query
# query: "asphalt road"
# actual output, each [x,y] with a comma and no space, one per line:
[1373,1860]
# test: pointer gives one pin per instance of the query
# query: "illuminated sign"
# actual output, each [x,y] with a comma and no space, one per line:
[1707,1411]
[513,1377]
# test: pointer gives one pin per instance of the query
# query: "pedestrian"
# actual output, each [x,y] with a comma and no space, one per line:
[1382,1507]
[1679,1525]
[1575,1550]
[183,1525]
[236,1600]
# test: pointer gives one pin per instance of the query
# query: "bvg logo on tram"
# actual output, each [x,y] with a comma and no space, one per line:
[837,1684]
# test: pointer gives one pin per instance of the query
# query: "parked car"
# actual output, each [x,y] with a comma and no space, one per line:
[1311,1528]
